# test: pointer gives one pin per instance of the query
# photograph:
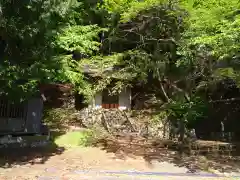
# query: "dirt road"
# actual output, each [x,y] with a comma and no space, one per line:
[93,164]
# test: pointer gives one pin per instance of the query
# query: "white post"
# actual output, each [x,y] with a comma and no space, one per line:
[125,99]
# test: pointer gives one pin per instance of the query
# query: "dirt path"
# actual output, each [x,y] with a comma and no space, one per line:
[86,163]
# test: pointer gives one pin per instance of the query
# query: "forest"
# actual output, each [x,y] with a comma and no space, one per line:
[184,54]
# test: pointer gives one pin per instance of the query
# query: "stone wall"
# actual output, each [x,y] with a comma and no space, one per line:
[116,121]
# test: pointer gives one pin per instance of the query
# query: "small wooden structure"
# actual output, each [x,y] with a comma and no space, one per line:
[21,118]
[120,101]
[103,99]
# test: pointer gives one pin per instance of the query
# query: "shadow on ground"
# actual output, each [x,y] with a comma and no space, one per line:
[153,152]
[15,155]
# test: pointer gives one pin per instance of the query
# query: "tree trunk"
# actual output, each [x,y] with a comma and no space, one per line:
[181,131]
[164,92]
[222,130]
[181,136]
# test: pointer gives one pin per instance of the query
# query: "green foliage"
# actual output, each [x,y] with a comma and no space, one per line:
[83,39]
[212,32]
[176,47]
[58,117]
[215,23]
[34,35]
[100,63]
[27,31]
[129,9]
[188,111]
[135,8]
[160,117]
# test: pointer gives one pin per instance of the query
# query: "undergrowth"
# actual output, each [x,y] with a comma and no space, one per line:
[59,120]
[59,117]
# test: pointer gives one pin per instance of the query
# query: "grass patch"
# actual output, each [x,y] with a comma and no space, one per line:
[74,139]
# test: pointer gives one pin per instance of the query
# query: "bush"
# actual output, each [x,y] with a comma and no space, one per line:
[58,117]
[188,111]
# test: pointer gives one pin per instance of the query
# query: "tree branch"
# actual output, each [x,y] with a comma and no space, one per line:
[225,100]
[181,90]
[164,92]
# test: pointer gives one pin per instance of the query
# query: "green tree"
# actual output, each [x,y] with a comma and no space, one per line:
[32,35]
[174,47]
[26,30]
[210,41]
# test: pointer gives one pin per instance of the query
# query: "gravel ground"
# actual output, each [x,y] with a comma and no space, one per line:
[88,163]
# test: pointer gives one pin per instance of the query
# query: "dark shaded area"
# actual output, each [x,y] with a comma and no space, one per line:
[13,156]
[56,95]
[34,149]
[222,122]
[80,101]
[168,151]
[2,48]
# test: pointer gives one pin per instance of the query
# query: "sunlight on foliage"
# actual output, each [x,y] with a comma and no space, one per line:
[74,139]
[172,49]
[83,39]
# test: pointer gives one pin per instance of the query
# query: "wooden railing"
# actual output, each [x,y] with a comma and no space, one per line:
[110,106]
[9,110]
